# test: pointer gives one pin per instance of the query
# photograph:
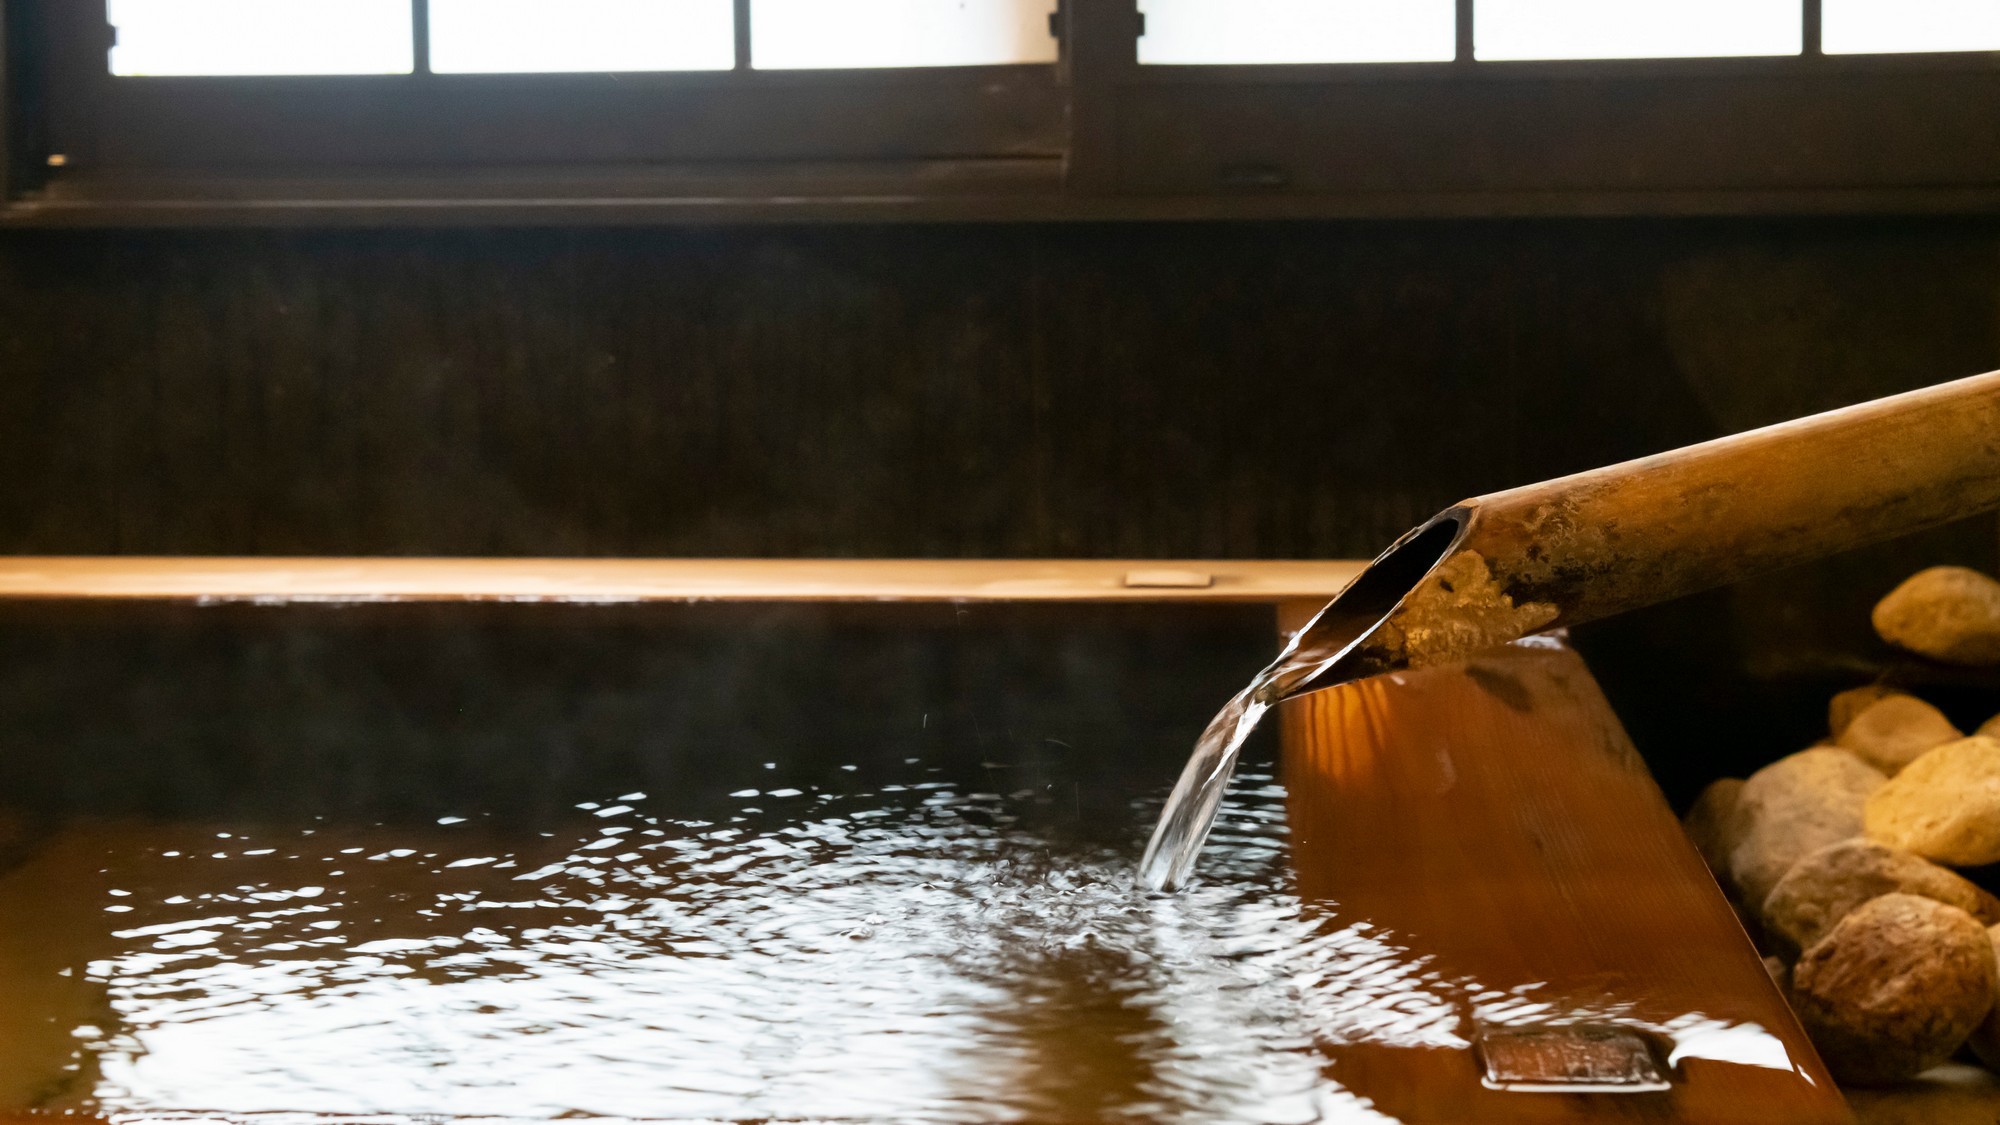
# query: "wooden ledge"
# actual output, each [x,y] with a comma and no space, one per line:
[279,580]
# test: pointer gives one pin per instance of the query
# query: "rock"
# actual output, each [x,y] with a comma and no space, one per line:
[1948,613]
[1844,706]
[1952,1094]
[1894,988]
[1990,728]
[1795,805]
[1985,1041]
[1945,805]
[1824,886]
[1709,820]
[1895,730]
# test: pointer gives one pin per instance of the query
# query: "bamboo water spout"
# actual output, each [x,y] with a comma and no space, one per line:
[1583,547]
[1574,549]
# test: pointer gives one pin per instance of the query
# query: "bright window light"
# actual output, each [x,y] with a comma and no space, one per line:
[1861,27]
[818,34]
[237,37]
[1297,31]
[1635,29]
[549,36]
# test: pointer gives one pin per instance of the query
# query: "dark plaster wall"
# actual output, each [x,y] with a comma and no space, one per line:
[1207,390]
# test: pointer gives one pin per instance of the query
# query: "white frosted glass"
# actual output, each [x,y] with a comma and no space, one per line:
[824,34]
[568,36]
[234,37]
[1297,31]
[1636,29]
[1860,27]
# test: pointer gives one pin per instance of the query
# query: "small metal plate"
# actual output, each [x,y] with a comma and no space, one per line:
[1572,1058]
[1169,579]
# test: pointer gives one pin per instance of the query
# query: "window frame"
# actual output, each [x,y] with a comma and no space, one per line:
[1098,136]
[458,119]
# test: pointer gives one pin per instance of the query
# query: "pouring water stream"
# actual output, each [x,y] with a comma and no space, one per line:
[1333,634]
[1191,808]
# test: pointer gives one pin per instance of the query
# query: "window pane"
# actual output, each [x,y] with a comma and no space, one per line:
[1635,29]
[808,34]
[1297,31]
[1855,27]
[192,37]
[547,36]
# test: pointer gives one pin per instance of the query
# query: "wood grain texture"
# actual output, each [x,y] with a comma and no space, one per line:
[1105,391]
[1492,823]
[751,580]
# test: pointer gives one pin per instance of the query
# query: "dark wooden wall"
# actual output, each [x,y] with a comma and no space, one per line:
[1252,390]
[1208,390]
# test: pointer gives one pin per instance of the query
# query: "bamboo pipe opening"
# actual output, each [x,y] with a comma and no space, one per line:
[1367,603]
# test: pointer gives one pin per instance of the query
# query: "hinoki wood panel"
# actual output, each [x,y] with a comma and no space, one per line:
[838,580]
[1494,831]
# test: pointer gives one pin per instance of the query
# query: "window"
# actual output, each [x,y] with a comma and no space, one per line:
[819,34]
[241,38]
[1257,32]
[385,111]
[253,37]
[1635,29]
[550,99]
[1297,31]
[1854,27]
[536,36]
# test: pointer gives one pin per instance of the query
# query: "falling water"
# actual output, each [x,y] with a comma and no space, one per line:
[1190,810]
[1322,642]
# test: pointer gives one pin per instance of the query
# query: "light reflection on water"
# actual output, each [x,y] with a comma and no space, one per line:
[913,952]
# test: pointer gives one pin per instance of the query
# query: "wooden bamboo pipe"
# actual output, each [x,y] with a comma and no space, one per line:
[1583,547]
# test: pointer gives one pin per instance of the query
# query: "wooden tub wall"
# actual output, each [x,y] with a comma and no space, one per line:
[1460,868]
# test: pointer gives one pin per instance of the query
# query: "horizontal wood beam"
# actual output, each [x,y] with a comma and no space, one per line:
[119,212]
[281,580]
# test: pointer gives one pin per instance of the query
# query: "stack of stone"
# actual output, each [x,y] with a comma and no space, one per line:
[1841,856]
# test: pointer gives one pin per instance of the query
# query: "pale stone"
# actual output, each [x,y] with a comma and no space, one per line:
[1795,805]
[1824,886]
[1945,805]
[1985,1041]
[1895,988]
[1709,821]
[1894,730]
[1948,613]
[1841,710]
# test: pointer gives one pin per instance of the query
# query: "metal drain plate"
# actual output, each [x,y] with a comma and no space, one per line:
[1573,1058]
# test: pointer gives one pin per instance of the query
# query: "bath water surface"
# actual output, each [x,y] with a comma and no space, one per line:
[920,950]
